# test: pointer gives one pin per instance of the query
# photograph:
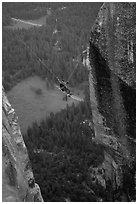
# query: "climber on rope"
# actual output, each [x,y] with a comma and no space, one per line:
[64,88]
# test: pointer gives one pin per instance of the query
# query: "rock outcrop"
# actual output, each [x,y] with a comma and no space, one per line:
[18,183]
[112,82]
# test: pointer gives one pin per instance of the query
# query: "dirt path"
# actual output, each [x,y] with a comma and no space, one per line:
[27,22]
[19,24]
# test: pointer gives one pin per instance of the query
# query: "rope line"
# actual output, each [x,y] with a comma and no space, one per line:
[40,60]
[73,71]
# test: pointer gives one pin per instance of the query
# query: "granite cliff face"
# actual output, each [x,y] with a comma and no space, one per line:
[18,184]
[112,64]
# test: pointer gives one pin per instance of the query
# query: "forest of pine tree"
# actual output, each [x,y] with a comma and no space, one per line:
[73,25]
[61,152]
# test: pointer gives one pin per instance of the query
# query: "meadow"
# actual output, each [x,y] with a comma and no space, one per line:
[33,100]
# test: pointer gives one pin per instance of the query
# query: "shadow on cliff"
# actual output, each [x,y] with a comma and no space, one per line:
[105,94]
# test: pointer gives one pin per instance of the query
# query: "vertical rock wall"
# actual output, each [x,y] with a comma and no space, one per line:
[18,184]
[112,55]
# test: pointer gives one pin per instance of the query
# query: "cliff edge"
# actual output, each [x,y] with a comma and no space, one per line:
[18,183]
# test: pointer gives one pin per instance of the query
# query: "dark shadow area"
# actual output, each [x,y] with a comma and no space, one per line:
[129,99]
[103,88]
[104,93]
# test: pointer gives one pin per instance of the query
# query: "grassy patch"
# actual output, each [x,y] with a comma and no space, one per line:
[32,100]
